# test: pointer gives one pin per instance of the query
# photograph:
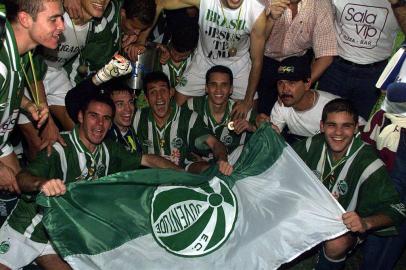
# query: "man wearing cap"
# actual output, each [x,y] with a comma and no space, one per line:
[298,107]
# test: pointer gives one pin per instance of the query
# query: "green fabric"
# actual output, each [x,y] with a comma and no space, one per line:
[101,203]
[375,195]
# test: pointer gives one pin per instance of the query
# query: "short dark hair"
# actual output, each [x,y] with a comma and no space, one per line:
[101,98]
[32,7]
[219,69]
[156,76]
[116,85]
[143,10]
[339,105]
[184,39]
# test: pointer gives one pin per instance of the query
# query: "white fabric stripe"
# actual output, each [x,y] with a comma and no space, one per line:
[374,166]
[107,154]
[81,157]
[308,143]
[59,149]
[150,138]
[3,71]
[322,160]
[192,121]
[174,128]
[34,222]
[10,50]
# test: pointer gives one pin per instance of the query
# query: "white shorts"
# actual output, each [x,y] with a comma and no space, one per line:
[17,251]
[196,82]
[57,84]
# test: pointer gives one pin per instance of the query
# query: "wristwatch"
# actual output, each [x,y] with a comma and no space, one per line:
[400,3]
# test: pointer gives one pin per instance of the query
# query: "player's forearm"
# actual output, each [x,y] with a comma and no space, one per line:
[319,66]
[253,79]
[377,221]
[155,161]
[28,182]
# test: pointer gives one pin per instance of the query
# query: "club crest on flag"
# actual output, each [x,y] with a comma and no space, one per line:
[191,222]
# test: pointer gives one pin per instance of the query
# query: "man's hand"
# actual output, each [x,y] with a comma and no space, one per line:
[241,125]
[133,50]
[38,113]
[73,8]
[165,54]
[49,135]
[275,10]
[128,39]
[225,167]
[240,109]
[53,187]
[7,179]
[118,66]
[354,222]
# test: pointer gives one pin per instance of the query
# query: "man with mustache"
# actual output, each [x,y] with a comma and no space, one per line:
[299,107]
[305,28]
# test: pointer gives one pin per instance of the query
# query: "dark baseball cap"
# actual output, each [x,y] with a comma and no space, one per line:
[294,68]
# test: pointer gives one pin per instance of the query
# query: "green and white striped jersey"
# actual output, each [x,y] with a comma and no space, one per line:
[359,180]
[175,74]
[11,84]
[184,132]
[229,138]
[71,163]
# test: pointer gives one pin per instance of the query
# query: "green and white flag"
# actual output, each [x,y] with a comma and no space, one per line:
[269,211]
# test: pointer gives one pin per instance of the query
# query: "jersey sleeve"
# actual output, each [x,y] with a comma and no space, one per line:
[46,166]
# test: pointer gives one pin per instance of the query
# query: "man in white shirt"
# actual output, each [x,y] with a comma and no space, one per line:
[298,107]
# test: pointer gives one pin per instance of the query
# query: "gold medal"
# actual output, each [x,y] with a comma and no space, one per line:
[161,143]
[90,171]
[232,51]
[230,125]
[83,69]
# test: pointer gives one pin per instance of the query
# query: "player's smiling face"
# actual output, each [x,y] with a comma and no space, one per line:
[94,124]
[159,96]
[48,25]
[94,8]
[339,129]
[219,88]
[124,102]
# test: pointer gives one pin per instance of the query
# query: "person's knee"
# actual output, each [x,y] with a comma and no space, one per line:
[337,248]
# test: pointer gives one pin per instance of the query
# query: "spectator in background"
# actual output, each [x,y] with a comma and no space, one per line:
[305,28]
[181,46]
[365,31]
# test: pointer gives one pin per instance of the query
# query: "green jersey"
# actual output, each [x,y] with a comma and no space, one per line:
[103,41]
[174,73]
[183,133]
[11,84]
[228,137]
[71,163]
[359,180]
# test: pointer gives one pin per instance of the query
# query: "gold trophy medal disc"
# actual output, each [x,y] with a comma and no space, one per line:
[230,125]
[83,69]
[232,51]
